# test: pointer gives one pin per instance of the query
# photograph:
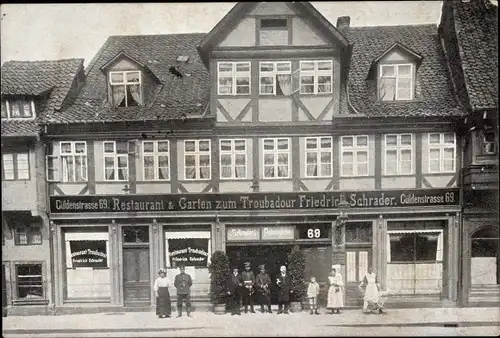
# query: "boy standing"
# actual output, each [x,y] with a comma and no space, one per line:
[312,294]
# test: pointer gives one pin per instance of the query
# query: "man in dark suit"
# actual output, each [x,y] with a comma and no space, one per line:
[263,284]
[248,290]
[183,283]
[283,282]
[234,285]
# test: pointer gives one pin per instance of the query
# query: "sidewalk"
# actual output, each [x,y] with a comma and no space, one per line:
[246,324]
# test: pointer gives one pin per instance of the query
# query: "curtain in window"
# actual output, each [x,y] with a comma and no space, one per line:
[284,84]
[118,95]
[135,92]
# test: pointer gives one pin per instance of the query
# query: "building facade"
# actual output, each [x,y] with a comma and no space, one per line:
[469,33]
[29,89]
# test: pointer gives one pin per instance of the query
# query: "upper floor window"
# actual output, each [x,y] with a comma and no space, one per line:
[442,149]
[197,162]
[74,161]
[156,160]
[233,159]
[354,155]
[233,78]
[275,78]
[396,82]
[18,109]
[276,157]
[488,144]
[15,166]
[28,235]
[398,154]
[126,88]
[319,153]
[316,77]
[273,31]
[115,160]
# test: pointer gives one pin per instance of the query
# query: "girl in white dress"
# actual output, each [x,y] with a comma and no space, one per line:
[335,292]
[372,294]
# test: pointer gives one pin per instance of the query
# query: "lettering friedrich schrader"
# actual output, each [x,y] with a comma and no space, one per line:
[252,201]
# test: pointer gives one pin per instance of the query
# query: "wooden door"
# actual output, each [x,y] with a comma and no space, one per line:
[136,276]
[357,262]
[318,264]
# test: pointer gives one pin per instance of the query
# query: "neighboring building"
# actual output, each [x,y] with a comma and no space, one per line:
[469,34]
[29,89]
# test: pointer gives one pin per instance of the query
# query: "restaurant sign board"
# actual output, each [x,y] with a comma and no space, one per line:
[252,201]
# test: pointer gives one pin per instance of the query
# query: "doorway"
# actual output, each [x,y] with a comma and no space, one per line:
[357,261]
[318,264]
[272,256]
[136,271]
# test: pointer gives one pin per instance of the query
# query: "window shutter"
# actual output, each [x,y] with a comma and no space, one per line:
[296,81]
[52,165]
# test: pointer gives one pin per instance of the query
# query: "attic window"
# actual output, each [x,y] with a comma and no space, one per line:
[183,58]
[20,108]
[273,32]
[395,82]
[126,88]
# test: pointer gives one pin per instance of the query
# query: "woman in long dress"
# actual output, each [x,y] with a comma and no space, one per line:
[372,291]
[163,306]
[335,292]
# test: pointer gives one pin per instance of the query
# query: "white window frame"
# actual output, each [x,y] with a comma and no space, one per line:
[56,168]
[441,146]
[15,165]
[399,148]
[197,154]
[273,74]
[73,154]
[439,249]
[234,74]
[233,152]
[397,77]
[487,145]
[126,83]
[276,152]
[155,154]
[8,110]
[114,155]
[316,73]
[355,149]
[318,150]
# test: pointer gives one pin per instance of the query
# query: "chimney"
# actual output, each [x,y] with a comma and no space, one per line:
[343,22]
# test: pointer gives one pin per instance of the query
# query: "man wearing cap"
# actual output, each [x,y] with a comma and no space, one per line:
[248,282]
[263,283]
[183,284]
[283,282]
[234,284]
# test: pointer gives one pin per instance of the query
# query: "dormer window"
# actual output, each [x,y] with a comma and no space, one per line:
[21,108]
[126,88]
[273,31]
[395,82]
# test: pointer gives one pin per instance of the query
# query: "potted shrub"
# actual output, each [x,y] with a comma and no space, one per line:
[219,273]
[296,270]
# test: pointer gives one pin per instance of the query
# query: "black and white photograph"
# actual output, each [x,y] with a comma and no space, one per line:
[250,169]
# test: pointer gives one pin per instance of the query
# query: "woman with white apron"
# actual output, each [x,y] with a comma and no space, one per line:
[372,294]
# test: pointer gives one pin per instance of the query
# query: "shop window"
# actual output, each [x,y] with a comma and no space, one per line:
[273,32]
[126,88]
[442,149]
[197,160]
[233,78]
[275,78]
[319,156]
[133,234]
[74,162]
[396,82]
[115,160]
[156,160]
[316,77]
[415,247]
[484,256]
[398,154]
[354,155]
[29,283]
[358,232]
[191,248]
[28,235]
[276,155]
[488,144]
[15,166]
[233,159]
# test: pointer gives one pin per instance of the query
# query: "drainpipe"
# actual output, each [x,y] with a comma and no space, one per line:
[45,217]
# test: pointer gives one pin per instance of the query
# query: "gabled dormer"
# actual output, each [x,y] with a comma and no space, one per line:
[395,73]
[18,107]
[129,81]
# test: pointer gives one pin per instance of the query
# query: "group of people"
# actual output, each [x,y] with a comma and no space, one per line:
[245,285]
[182,283]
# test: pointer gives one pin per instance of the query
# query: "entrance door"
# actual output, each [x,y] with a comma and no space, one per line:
[318,264]
[136,276]
[357,262]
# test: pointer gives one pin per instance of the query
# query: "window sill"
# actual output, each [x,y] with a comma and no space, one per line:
[30,244]
[398,175]
[87,300]
[20,302]
[314,95]
[316,177]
